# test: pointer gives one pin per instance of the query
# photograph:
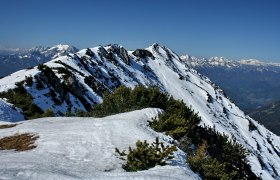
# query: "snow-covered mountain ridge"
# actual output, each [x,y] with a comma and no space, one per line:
[77,81]
[12,60]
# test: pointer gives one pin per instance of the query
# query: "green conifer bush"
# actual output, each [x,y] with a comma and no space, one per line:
[20,98]
[146,156]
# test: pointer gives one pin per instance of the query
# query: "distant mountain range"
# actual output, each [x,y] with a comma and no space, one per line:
[12,60]
[225,62]
[250,83]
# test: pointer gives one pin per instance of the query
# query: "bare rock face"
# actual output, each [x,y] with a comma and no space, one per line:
[125,55]
[102,52]
[120,52]
[143,53]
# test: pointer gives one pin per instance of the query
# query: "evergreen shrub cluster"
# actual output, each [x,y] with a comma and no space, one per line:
[207,166]
[124,99]
[43,68]
[146,155]
[20,98]
[177,120]
[65,72]
[230,155]
[29,80]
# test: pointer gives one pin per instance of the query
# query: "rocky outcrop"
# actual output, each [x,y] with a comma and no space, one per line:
[143,53]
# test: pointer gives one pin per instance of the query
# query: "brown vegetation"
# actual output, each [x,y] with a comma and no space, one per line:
[5,126]
[18,142]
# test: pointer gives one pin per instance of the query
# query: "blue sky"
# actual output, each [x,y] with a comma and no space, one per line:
[232,28]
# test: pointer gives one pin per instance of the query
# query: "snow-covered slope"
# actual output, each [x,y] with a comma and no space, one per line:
[9,113]
[84,148]
[14,60]
[90,72]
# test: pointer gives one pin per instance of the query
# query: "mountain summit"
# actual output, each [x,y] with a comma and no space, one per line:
[78,81]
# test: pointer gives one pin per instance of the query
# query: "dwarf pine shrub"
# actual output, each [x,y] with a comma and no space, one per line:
[20,98]
[146,156]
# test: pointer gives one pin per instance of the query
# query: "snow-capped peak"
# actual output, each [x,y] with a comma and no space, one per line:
[253,62]
[64,47]
[37,48]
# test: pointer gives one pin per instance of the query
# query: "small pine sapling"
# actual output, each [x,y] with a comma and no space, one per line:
[146,156]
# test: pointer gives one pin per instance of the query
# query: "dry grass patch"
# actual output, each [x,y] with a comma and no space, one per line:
[4,126]
[18,142]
